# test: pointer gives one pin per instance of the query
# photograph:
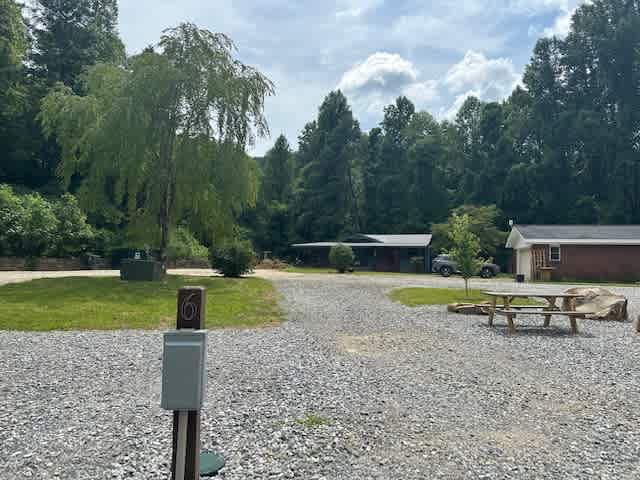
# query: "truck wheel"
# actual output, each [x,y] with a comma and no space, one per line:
[446,271]
[486,272]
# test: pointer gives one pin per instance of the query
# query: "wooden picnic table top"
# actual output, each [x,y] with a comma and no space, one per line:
[532,294]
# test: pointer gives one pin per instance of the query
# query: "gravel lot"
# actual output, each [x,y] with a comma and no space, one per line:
[398,393]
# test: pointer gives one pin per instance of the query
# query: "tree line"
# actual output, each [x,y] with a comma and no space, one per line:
[563,148]
[129,136]
[152,145]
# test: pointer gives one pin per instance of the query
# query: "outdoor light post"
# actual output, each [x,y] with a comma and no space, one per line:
[184,375]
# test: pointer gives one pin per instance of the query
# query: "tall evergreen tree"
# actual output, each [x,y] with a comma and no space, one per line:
[272,219]
[325,197]
[71,35]
[392,194]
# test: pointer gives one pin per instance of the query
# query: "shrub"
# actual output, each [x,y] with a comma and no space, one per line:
[74,235]
[233,258]
[31,226]
[38,226]
[10,225]
[184,245]
[341,257]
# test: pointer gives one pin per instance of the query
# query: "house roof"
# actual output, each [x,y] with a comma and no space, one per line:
[526,235]
[375,240]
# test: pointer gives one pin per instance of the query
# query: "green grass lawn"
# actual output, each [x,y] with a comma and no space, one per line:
[414,297]
[110,303]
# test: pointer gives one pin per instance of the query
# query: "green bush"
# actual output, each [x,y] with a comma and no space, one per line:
[184,245]
[10,221]
[31,226]
[74,235]
[341,257]
[38,226]
[233,258]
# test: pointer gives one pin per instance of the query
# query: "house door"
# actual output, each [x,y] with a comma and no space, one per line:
[523,262]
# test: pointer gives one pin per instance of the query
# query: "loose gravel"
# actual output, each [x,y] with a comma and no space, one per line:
[353,386]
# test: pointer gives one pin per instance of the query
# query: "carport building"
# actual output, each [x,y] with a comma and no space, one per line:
[381,253]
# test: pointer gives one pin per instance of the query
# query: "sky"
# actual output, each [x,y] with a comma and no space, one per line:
[436,52]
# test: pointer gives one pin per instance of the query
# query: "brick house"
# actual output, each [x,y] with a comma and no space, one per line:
[576,252]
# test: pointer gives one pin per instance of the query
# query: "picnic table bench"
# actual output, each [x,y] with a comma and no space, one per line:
[511,311]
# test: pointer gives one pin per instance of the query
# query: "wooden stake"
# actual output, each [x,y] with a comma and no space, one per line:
[185,459]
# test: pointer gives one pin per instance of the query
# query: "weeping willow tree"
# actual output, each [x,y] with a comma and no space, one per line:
[166,135]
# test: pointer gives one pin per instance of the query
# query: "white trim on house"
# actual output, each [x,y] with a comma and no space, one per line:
[516,241]
[555,260]
[523,262]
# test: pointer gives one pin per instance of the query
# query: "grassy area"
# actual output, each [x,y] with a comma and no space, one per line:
[309,270]
[109,303]
[414,297]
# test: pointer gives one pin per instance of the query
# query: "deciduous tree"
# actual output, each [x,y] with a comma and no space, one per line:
[166,134]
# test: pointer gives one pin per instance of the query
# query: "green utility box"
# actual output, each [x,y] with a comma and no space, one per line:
[142,270]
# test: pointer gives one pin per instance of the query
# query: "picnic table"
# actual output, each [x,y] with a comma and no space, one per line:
[511,311]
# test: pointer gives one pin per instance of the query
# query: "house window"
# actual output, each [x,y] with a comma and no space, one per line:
[554,253]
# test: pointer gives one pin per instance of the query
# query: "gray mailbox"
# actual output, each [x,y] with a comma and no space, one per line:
[184,373]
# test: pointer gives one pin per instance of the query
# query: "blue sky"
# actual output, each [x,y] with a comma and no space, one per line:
[436,52]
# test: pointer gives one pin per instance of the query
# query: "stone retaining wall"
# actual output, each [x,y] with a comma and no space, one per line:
[14,264]
[8,264]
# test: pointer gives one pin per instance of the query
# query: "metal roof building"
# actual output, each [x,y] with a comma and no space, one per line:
[380,252]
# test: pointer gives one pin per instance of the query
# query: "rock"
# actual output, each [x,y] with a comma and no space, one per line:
[603,304]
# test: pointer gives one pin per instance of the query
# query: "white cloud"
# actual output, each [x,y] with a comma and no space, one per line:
[479,76]
[493,78]
[376,82]
[380,71]
[356,8]
[422,92]
[381,78]
[561,25]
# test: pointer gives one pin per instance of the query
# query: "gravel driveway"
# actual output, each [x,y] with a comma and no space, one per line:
[388,392]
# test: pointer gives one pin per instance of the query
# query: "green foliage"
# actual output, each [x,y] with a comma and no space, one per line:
[13,43]
[10,221]
[465,249]
[275,185]
[184,245]
[561,149]
[325,205]
[74,235]
[31,226]
[37,227]
[143,136]
[483,221]
[71,35]
[233,258]
[341,257]
[271,220]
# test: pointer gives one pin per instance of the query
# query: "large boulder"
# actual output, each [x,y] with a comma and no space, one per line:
[600,303]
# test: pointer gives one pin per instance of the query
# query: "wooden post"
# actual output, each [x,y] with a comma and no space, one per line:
[185,460]
[492,310]
[574,323]
[512,327]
